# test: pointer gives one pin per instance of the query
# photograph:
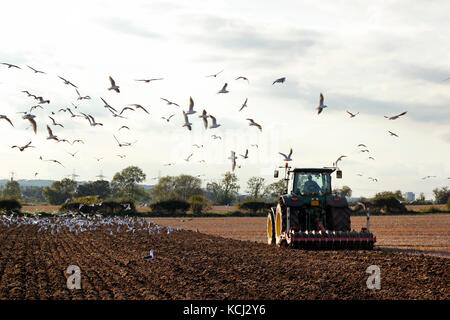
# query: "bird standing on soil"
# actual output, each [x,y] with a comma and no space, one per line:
[150,256]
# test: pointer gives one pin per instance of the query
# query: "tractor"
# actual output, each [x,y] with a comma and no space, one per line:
[310,216]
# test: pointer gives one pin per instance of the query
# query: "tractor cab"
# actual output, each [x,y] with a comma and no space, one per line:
[311,182]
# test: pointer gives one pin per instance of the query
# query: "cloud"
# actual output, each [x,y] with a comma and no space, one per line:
[425,73]
[125,26]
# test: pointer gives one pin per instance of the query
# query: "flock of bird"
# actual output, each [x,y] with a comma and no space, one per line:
[114,86]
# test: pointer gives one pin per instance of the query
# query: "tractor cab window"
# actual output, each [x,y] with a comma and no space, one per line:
[312,183]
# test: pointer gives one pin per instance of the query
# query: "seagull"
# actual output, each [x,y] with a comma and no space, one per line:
[373,179]
[167,119]
[392,133]
[121,156]
[6,118]
[362,145]
[321,105]
[123,127]
[150,256]
[246,154]
[55,161]
[73,154]
[11,65]
[78,140]
[241,77]
[35,71]
[216,137]
[204,117]
[41,100]
[148,80]
[351,114]
[55,123]
[244,105]
[254,145]
[280,80]
[186,121]
[370,158]
[28,145]
[73,115]
[214,124]
[224,89]
[215,75]
[126,108]
[30,117]
[113,85]
[233,160]
[35,107]
[428,177]
[395,117]
[196,145]
[287,157]
[93,123]
[80,97]
[67,82]
[169,164]
[170,102]
[125,144]
[51,135]
[116,115]
[191,106]
[98,159]
[138,106]
[187,159]
[107,105]
[253,123]
[366,150]
[359,174]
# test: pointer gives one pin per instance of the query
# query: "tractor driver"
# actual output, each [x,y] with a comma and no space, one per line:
[311,186]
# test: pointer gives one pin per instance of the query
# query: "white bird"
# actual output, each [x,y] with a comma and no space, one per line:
[321,105]
[6,118]
[191,107]
[214,123]
[396,116]
[55,123]
[246,154]
[287,157]
[67,82]
[170,102]
[253,123]
[204,117]
[167,119]
[215,75]
[113,85]
[244,105]
[233,160]
[51,135]
[224,89]
[150,256]
[186,121]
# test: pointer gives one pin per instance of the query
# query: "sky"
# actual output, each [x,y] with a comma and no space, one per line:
[378,59]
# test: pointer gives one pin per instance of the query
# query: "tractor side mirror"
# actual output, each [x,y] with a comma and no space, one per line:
[275,174]
[339,174]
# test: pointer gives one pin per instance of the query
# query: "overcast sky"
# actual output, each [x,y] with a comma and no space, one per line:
[378,59]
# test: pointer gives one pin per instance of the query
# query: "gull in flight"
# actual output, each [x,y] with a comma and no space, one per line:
[191,107]
[80,97]
[169,164]
[170,102]
[359,174]
[365,150]
[244,105]
[35,71]
[395,117]
[280,80]
[167,119]
[41,100]
[72,154]
[51,136]
[98,159]
[196,145]
[107,105]
[123,127]
[287,157]
[30,118]
[243,78]
[373,179]
[28,145]
[370,158]
[428,177]
[338,159]
[55,123]
[11,65]
[116,115]
[113,85]
[352,115]
[150,256]
[246,154]
[224,89]
[92,121]
[125,144]
[148,80]
[321,105]
[254,145]
[35,107]
[253,123]
[68,82]
[55,161]
[216,137]
[187,159]
[362,145]
[78,140]
[204,117]
[121,156]
[233,160]
[214,123]
[138,106]
[392,133]
[215,75]
[186,121]
[6,118]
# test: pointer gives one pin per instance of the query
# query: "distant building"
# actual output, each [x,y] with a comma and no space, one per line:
[410,196]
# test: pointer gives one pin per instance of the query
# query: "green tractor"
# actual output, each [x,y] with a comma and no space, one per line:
[310,216]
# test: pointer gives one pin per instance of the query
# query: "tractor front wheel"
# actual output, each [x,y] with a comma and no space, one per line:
[271,228]
[280,224]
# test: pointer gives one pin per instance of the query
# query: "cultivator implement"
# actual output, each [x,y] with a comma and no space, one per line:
[331,240]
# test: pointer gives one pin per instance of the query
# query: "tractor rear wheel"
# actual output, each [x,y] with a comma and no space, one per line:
[341,219]
[271,228]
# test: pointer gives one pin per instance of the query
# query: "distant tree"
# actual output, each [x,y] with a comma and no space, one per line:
[60,191]
[125,183]
[256,187]
[12,191]
[225,191]
[99,188]
[181,187]
[199,204]
[276,189]
[32,194]
[397,195]
[345,191]
[441,195]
